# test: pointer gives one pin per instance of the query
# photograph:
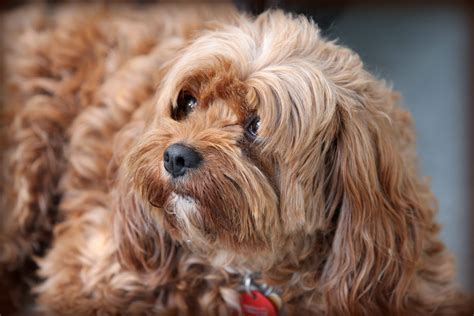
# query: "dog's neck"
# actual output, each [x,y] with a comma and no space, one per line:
[276,269]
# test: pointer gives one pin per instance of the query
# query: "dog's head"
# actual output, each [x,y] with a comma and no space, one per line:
[238,130]
[266,137]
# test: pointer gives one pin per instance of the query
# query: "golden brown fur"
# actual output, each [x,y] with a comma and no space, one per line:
[326,204]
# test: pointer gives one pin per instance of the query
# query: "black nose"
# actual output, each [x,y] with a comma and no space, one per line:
[178,158]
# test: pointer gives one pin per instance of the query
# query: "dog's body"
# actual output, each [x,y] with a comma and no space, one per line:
[304,170]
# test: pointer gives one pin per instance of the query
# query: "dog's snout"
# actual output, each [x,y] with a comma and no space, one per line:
[178,158]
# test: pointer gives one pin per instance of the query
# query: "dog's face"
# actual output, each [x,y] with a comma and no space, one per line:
[232,155]
[261,134]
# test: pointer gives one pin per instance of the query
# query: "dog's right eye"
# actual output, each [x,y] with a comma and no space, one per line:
[185,103]
[252,126]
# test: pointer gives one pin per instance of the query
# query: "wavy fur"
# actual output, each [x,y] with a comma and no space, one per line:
[328,194]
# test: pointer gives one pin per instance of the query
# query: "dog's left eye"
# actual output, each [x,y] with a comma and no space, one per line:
[184,105]
[252,126]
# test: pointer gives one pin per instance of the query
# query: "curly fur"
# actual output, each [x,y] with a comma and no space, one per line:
[328,194]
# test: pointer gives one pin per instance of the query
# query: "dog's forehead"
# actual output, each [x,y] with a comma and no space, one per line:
[247,67]
[216,79]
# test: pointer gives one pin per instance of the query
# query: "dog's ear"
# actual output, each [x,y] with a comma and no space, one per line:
[381,209]
[141,244]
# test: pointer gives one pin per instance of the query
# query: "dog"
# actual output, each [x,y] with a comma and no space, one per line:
[186,160]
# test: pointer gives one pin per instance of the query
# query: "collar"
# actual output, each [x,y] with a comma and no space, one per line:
[259,299]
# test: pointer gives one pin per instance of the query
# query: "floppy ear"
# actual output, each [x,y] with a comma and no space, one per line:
[381,210]
[142,245]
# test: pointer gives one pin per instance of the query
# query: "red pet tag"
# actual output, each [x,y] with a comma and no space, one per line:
[256,304]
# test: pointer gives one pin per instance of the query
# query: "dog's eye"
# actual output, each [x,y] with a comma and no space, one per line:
[184,105]
[251,128]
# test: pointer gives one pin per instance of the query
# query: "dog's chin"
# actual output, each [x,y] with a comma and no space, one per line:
[184,220]
[182,216]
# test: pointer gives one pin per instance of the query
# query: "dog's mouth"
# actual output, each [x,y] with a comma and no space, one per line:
[194,207]
[169,192]
[178,200]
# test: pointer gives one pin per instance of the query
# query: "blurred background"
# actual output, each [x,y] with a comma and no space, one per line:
[425,50]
